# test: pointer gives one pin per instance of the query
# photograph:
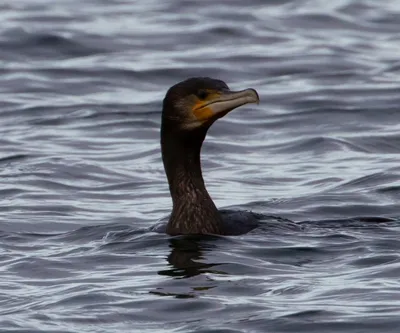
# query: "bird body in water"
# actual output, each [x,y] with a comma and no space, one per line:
[189,109]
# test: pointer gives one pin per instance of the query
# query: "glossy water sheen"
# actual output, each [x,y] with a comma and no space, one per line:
[81,176]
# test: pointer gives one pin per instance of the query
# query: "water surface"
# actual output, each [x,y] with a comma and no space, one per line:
[81,177]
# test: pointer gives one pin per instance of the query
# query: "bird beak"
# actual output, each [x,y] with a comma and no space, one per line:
[230,100]
[219,104]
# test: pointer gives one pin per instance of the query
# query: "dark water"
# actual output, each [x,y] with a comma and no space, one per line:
[81,176]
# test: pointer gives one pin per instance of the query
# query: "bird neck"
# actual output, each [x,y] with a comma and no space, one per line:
[193,210]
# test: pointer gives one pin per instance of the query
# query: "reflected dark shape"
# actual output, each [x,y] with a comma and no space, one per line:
[187,255]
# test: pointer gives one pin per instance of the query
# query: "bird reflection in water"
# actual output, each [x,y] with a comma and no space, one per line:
[187,256]
[188,260]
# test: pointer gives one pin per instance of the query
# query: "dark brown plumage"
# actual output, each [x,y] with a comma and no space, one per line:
[189,109]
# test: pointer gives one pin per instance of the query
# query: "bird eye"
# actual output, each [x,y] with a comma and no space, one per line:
[202,94]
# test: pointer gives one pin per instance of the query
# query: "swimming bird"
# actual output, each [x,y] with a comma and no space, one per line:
[190,107]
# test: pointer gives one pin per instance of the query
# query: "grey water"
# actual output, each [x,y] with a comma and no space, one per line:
[81,178]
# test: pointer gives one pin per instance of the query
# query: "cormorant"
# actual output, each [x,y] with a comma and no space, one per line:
[189,109]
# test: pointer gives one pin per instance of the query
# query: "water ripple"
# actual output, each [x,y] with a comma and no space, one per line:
[82,180]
